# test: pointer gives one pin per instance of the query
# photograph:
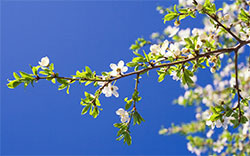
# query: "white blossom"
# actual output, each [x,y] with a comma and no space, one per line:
[155,49]
[123,114]
[226,17]
[171,31]
[209,133]
[155,35]
[118,69]
[110,90]
[174,74]
[184,33]
[44,62]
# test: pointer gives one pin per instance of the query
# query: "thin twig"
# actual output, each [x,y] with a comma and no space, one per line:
[214,17]
[220,51]
[237,83]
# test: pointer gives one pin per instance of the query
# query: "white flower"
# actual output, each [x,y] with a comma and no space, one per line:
[226,17]
[199,7]
[246,127]
[181,100]
[210,123]
[110,90]
[209,133]
[171,31]
[44,62]
[155,35]
[174,50]
[155,49]
[196,31]
[101,83]
[184,33]
[198,44]
[164,46]
[175,77]
[118,69]
[195,150]
[123,114]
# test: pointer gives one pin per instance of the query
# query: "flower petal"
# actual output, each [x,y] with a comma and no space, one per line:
[120,111]
[115,93]
[124,69]
[115,88]
[114,73]
[113,66]
[120,64]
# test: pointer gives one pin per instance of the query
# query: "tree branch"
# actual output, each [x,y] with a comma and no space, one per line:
[237,83]
[214,17]
[219,51]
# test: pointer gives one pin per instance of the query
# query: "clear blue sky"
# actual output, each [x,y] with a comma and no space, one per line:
[73,34]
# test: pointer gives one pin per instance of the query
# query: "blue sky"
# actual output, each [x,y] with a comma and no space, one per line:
[73,34]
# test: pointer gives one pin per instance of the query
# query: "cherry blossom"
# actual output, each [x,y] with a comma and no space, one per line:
[123,114]
[44,62]
[110,90]
[118,69]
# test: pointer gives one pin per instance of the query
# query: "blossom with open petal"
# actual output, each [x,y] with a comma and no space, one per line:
[155,49]
[44,62]
[118,69]
[174,74]
[110,90]
[171,31]
[123,114]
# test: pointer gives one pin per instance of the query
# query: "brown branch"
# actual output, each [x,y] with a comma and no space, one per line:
[237,83]
[215,18]
[219,51]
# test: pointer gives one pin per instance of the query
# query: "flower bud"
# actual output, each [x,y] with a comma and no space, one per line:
[177,23]
[213,69]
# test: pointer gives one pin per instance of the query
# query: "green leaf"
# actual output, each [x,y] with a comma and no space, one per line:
[88,82]
[43,73]
[53,80]
[62,81]
[16,76]
[138,59]
[51,67]
[131,64]
[13,84]
[170,16]
[95,112]
[25,75]
[85,109]
[68,89]
[88,70]
[146,56]
[128,103]
[161,77]
[63,86]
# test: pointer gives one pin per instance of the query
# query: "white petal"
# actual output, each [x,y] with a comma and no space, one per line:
[120,111]
[115,88]
[114,73]
[124,69]
[108,94]
[121,64]
[115,93]
[113,66]
[123,120]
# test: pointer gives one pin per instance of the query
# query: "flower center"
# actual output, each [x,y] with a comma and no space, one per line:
[118,70]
